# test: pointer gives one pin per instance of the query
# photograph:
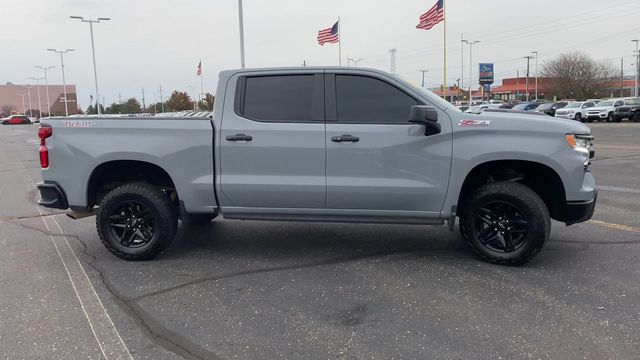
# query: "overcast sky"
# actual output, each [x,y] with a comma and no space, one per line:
[159,42]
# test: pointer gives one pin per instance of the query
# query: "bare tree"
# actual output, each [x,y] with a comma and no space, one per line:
[576,75]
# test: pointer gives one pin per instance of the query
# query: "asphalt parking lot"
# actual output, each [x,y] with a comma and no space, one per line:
[260,290]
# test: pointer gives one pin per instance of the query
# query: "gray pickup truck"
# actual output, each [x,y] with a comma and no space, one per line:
[322,144]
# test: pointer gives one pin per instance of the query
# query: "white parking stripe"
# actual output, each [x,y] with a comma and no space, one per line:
[104,331]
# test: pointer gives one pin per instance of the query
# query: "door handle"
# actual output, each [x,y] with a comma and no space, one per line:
[345,138]
[239,137]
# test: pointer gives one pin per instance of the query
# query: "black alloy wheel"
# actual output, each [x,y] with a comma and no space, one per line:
[501,227]
[132,224]
[579,117]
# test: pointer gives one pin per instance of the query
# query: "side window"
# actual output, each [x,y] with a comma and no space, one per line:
[277,98]
[361,99]
[618,103]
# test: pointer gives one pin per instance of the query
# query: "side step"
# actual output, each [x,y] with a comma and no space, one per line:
[80,215]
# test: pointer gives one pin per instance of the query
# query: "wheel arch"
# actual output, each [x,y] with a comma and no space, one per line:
[539,177]
[113,173]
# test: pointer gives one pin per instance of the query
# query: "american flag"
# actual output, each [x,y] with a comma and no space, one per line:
[432,16]
[199,70]
[330,35]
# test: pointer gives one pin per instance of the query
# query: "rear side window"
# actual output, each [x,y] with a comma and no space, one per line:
[361,99]
[278,98]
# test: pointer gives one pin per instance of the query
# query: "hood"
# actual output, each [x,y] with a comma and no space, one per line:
[524,121]
[599,108]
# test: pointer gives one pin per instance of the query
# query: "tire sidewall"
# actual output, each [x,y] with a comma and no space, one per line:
[535,238]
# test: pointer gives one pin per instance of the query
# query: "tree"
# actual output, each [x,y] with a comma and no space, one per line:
[206,104]
[179,101]
[131,106]
[576,75]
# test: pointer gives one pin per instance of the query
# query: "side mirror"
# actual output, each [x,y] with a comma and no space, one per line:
[426,116]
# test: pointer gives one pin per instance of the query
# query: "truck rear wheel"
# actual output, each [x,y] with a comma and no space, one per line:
[505,223]
[136,221]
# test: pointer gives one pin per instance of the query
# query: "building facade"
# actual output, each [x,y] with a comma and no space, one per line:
[15,98]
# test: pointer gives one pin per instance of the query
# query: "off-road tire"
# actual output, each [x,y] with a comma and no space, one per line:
[160,207]
[532,208]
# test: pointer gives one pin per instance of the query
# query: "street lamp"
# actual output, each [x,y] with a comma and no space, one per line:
[24,107]
[470,43]
[30,107]
[423,72]
[93,51]
[536,53]
[46,85]
[355,61]
[635,88]
[64,84]
[37,80]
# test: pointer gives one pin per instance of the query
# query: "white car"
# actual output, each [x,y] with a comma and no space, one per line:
[604,110]
[477,109]
[575,111]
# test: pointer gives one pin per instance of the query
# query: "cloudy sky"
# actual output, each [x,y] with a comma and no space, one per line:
[149,43]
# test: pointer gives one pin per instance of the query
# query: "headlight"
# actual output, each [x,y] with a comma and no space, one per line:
[582,143]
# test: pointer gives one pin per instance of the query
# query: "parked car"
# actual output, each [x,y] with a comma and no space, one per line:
[550,107]
[16,120]
[322,144]
[525,106]
[629,110]
[604,110]
[575,111]
[462,108]
[477,109]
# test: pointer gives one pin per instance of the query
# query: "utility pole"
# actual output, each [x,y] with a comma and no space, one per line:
[536,53]
[621,77]
[144,105]
[241,24]
[635,87]
[161,102]
[64,84]
[423,72]
[527,79]
[393,60]
[46,85]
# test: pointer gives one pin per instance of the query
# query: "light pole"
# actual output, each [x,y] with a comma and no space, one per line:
[241,24]
[462,41]
[536,53]
[635,88]
[355,61]
[470,43]
[46,85]
[93,52]
[64,84]
[527,80]
[24,107]
[423,72]
[29,93]
[37,80]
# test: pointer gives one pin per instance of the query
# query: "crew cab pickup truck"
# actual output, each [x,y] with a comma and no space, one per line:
[322,144]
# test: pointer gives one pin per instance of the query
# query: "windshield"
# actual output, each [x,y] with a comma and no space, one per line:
[545,106]
[573,105]
[520,107]
[435,99]
[605,103]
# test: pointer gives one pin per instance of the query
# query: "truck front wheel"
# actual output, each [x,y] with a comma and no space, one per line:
[136,221]
[505,223]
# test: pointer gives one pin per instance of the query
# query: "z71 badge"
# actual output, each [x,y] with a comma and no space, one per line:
[474,122]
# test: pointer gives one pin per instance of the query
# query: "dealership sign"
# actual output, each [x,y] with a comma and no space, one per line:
[486,74]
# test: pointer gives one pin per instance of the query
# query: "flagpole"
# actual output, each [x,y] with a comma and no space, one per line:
[339,42]
[444,81]
[201,81]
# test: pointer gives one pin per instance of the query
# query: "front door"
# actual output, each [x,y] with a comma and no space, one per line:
[376,159]
[272,143]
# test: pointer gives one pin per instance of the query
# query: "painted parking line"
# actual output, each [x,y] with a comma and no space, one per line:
[104,331]
[615,226]
[618,189]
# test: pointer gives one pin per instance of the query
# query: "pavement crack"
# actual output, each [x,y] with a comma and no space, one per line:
[332,261]
[13,219]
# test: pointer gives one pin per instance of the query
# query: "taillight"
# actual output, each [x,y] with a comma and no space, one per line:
[44,132]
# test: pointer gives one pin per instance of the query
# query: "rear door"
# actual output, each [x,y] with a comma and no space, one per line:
[272,142]
[376,159]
